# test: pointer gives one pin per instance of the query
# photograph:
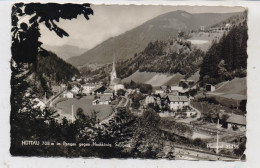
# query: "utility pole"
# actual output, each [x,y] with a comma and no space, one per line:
[217,138]
[72,113]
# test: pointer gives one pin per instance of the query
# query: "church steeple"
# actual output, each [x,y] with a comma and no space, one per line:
[113,73]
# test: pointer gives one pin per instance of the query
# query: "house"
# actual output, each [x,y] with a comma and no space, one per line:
[108,91]
[88,87]
[39,104]
[149,99]
[159,91]
[177,102]
[68,95]
[105,99]
[98,90]
[210,88]
[238,121]
[95,102]
[75,90]
[175,90]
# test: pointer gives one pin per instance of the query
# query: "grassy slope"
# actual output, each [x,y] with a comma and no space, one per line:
[155,79]
[235,86]
[86,104]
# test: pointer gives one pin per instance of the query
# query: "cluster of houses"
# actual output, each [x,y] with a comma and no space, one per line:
[104,94]
[174,98]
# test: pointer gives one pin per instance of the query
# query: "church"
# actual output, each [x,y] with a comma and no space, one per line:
[115,83]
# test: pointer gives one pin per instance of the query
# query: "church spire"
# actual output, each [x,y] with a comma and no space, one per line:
[113,73]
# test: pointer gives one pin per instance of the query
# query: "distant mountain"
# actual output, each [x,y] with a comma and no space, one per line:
[162,27]
[66,51]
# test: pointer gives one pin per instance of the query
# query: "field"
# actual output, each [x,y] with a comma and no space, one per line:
[154,79]
[86,104]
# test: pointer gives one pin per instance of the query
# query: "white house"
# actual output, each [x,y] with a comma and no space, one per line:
[176,90]
[105,100]
[38,104]
[149,99]
[210,88]
[238,121]
[88,87]
[159,91]
[75,90]
[68,95]
[177,102]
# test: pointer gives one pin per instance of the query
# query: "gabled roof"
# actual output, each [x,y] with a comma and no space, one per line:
[108,90]
[90,85]
[163,87]
[237,119]
[173,98]
[104,98]
[176,88]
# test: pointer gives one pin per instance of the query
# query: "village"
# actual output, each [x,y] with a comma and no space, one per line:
[173,103]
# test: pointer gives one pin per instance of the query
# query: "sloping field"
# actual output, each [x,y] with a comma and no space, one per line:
[195,77]
[235,86]
[154,79]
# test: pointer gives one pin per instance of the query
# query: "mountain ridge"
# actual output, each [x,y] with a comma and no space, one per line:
[125,45]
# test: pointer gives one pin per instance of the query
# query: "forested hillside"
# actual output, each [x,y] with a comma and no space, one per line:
[170,56]
[134,41]
[228,58]
[52,70]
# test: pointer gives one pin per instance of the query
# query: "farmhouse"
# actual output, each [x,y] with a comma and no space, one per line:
[238,121]
[88,87]
[68,95]
[210,88]
[108,91]
[175,90]
[149,99]
[177,102]
[106,99]
[75,90]
[98,90]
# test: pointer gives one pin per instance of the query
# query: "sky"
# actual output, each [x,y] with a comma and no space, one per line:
[113,20]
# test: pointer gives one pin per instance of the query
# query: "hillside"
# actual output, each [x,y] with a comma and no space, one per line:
[154,79]
[134,41]
[227,58]
[66,51]
[235,86]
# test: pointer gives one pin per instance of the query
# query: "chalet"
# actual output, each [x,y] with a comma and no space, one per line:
[108,91]
[39,104]
[98,90]
[75,90]
[164,89]
[238,121]
[95,102]
[175,90]
[105,99]
[177,102]
[68,95]
[210,88]
[88,87]
[159,91]
[149,99]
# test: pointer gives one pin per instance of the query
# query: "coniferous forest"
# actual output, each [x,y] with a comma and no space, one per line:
[227,58]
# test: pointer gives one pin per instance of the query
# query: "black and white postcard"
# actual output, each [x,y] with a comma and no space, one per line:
[128,81]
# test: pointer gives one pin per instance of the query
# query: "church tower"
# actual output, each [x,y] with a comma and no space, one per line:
[113,73]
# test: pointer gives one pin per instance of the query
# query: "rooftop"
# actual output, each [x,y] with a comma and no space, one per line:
[237,119]
[173,98]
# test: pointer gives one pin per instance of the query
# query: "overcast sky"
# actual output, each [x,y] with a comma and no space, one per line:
[112,20]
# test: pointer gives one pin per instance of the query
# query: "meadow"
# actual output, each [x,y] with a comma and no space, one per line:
[103,111]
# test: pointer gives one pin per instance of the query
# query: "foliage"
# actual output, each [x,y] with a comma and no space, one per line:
[228,58]
[144,88]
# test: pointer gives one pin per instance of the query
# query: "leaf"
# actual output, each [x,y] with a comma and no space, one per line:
[33,19]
